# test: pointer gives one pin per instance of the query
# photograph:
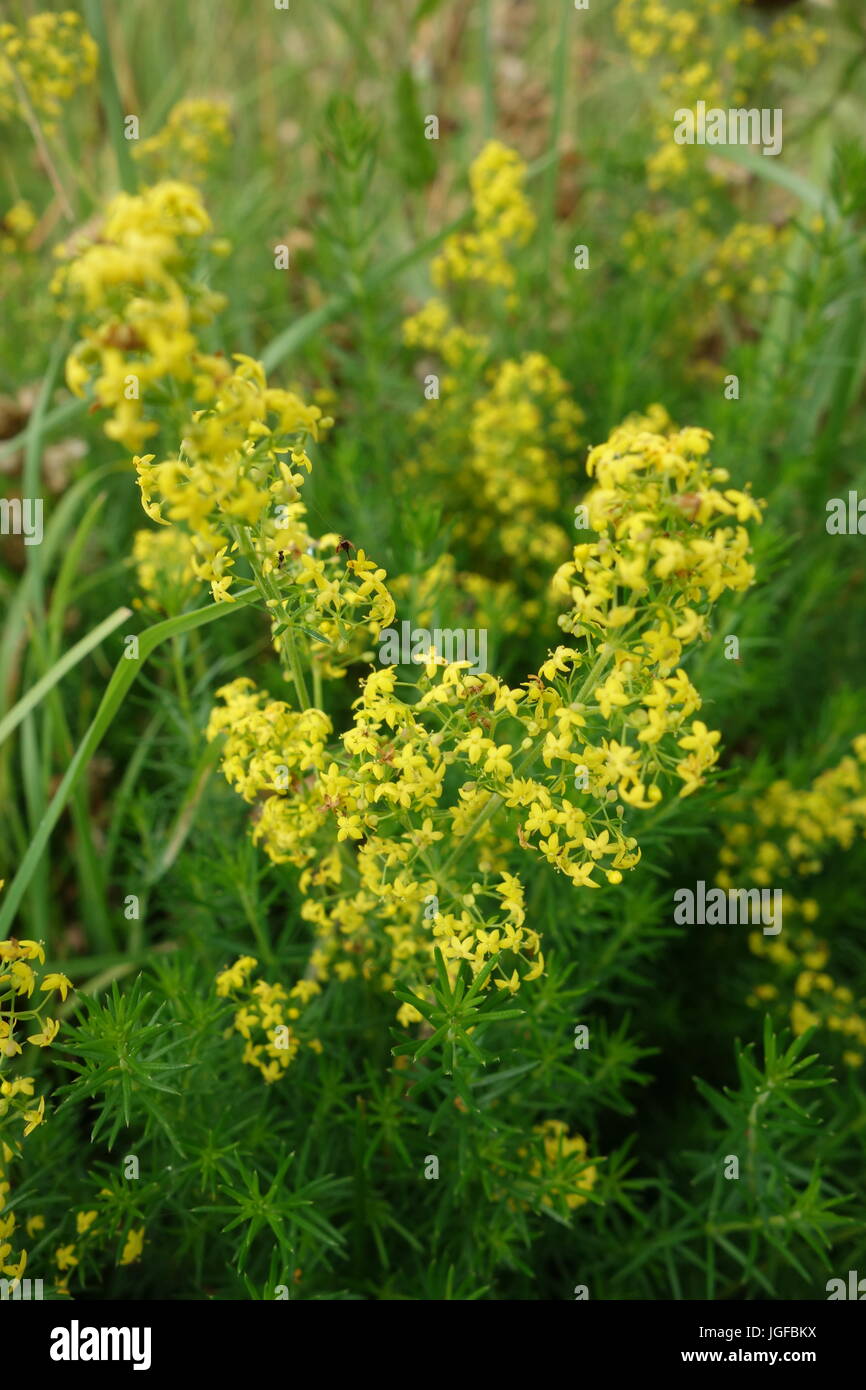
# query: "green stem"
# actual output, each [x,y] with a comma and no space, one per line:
[251,915]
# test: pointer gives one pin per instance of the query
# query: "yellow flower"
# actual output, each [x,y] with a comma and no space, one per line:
[50,1029]
[15,1271]
[32,950]
[22,977]
[33,1118]
[84,1220]
[702,740]
[57,981]
[502,216]
[133,1247]
[235,976]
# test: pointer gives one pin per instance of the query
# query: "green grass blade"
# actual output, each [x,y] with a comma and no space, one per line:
[56,673]
[124,674]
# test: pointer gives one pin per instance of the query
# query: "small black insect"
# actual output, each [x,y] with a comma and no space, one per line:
[343,546]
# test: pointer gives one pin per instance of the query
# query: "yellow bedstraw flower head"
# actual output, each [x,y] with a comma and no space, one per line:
[562,1165]
[165,570]
[783,836]
[512,421]
[133,290]
[235,975]
[15,227]
[687,49]
[556,1167]
[234,488]
[195,131]
[516,428]
[267,1019]
[49,57]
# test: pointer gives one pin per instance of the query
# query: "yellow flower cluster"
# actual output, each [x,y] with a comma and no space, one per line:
[67,1256]
[740,268]
[652,29]
[562,1165]
[661,29]
[557,1173]
[790,41]
[230,472]
[15,227]
[511,467]
[49,57]
[502,218]
[266,1017]
[133,287]
[434,329]
[18,980]
[747,246]
[665,551]
[670,163]
[232,488]
[710,56]
[165,572]
[379,825]
[511,423]
[787,834]
[271,748]
[194,131]
[514,427]
[374,907]
[782,838]
[810,994]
